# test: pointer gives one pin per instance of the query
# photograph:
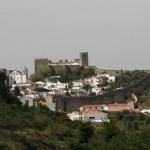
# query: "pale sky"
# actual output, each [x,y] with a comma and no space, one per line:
[115,33]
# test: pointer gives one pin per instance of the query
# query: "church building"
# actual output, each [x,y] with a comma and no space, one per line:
[15,76]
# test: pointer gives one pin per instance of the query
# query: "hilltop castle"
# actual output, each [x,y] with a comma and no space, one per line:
[73,65]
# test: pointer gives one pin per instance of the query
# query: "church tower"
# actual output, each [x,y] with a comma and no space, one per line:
[24,71]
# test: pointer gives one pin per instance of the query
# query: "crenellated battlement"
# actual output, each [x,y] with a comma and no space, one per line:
[73,65]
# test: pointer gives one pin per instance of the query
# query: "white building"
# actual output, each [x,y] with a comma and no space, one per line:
[111,78]
[101,107]
[15,76]
[145,111]
[27,101]
[74,116]
[88,115]
[93,115]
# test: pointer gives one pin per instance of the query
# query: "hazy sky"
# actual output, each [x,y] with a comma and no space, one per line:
[116,33]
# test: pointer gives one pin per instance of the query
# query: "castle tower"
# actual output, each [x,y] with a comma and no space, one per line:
[41,63]
[84,59]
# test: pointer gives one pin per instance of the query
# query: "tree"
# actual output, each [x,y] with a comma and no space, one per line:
[4,90]
[92,93]
[36,77]
[44,71]
[16,91]
[86,131]
[88,72]
[110,129]
[2,77]
[41,73]
[5,94]
[105,82]
[40,89]
[87,87]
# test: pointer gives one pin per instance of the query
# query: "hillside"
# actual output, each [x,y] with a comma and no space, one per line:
[37,128]
[22,127]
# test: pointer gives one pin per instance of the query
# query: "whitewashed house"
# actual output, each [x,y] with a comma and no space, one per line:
[15,76]
[74,116]
[93,115]
[102,107]
[145,111]
[27,101]
[88,115]
[111,78]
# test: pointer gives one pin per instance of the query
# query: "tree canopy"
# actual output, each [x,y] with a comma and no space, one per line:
[5,94]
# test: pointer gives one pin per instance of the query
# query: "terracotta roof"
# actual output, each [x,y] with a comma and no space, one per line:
[118,107]
[91,112]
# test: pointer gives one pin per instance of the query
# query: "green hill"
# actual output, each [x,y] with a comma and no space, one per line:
[37,128]
[23,127]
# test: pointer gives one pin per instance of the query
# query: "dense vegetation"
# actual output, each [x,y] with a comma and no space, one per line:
[124,131]
[5,94]
[64,72]
[37,128]
[125,78]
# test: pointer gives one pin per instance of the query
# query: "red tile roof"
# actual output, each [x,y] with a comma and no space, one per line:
[91,112]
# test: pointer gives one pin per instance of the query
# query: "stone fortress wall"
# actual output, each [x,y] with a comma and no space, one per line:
[70,104]
[72,65]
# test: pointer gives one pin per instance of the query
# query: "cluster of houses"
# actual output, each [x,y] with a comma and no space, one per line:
[94,113]
[96,83]
[98,113]
[20,78]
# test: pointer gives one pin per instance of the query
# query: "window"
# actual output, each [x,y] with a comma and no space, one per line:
[91,117]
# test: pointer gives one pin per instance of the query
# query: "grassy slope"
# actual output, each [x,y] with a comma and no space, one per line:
[33,128]
[24,128]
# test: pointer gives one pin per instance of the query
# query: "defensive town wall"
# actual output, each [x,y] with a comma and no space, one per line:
[114,72]
[70,104]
